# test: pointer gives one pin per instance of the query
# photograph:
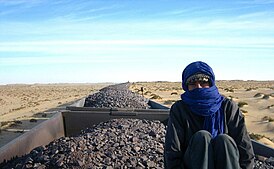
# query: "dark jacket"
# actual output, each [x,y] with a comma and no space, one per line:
[183,124]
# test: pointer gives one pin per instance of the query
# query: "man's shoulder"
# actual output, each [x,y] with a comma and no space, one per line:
[178,106]
[178,110]
[230,103]
[178,103]
[230,108]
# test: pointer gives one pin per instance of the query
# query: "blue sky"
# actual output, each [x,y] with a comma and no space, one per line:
[56,41]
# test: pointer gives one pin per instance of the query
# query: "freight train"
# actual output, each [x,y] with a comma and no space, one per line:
[76,117]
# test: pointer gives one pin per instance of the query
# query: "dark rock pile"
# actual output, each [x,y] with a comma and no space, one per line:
[117,96]
[267,164]
[119,143]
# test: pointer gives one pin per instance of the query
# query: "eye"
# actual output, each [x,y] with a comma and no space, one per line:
[204,83]
[192,83]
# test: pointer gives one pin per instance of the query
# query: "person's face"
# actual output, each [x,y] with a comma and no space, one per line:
[198,84]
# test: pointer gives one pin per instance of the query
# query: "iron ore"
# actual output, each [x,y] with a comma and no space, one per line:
[116,96]
[118,143]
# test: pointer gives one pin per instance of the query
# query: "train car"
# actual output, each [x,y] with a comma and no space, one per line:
[74,118]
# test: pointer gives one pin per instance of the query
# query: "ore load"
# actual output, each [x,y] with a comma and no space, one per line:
[117,96]
[117,143]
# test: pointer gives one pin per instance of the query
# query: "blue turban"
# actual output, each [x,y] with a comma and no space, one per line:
[204,101]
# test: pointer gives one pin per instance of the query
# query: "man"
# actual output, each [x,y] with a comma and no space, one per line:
[206,130]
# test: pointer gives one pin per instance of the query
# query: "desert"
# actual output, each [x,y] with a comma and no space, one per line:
[255,99]
[23,106]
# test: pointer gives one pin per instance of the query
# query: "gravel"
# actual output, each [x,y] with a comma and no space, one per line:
[117,96]
[118,143]
[267,164]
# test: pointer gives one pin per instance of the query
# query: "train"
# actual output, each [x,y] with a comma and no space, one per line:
[75,117]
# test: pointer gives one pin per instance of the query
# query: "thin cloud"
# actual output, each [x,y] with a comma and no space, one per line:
[84,11]
[17,2]
[36,60]
[178,12]
[129,45]
[257,15]
[257,2]
[76,18]
[16,6]
[70,11]
[197,12]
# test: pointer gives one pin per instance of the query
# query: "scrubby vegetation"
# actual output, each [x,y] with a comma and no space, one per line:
[147,92]
[168,102]
[230,97]
[33,120]
[244,111]
[258,95]
[267,118]
[266,96]
[242,104]
[229,90]
[251,88]
[256,136]
[155,96]
[270,106]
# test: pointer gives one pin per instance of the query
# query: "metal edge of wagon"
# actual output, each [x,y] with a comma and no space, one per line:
[75,118]
[162,115]
[71,121]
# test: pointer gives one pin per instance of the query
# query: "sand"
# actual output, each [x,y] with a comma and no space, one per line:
[24,106]
[258,111]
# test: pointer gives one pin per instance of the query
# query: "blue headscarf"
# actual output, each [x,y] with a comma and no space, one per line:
[204,101]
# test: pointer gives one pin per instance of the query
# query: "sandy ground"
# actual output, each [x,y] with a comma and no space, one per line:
[258,111]
[24,106]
